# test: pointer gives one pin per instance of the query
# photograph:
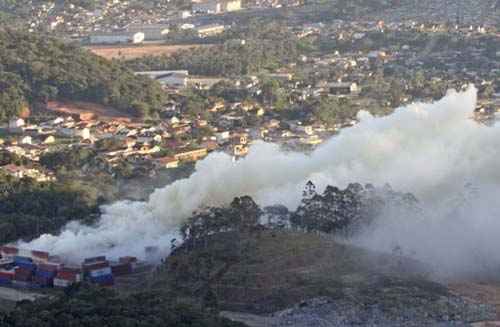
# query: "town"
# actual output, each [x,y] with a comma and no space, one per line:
[126,124]
[376,66]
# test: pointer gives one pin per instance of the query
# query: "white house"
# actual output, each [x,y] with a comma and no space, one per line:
[16,123]
[26,140]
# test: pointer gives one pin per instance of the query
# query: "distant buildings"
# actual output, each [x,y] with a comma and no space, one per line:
[170,78]
[209,30]
[342,88]
[116,38]
[151,32]
[215,6]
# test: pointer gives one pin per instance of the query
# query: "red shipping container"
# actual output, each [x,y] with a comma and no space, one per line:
[40,255]
[47,267]
[71,270]
[24,277]
[55,258]
[94,260]
[67,275]
[121,269]
[9,250]
[93,266]
[7,275]
[128,259]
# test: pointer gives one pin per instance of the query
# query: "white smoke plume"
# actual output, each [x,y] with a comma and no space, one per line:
[431,150]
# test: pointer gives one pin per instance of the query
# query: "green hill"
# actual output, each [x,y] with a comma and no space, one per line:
[35,69]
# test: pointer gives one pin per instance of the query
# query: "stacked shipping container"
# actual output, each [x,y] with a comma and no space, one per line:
[24,268]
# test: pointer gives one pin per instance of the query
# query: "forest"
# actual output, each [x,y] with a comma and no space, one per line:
[36,69]
[266,46]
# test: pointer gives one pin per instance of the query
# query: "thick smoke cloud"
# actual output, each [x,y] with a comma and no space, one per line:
[432,150]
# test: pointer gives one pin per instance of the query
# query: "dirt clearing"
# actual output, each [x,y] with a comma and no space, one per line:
[138,51]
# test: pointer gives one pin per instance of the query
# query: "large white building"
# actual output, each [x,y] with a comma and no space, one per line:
[117,38]
[170,78]
[151,32]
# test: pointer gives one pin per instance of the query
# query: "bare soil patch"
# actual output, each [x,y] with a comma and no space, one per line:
[138,51]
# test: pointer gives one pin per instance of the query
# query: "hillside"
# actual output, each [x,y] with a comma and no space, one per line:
[37,69]
[315,276]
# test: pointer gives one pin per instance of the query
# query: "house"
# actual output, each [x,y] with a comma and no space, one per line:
[16,123]
[221,137]
[169,78]
[207,7]
[305,129]
[342,88]
[192,155]
[13,170]
[240,150]
[167,162]
[22,172]
[240,139]
[49,139]
[285,77]
[231,5]
[215,6]
[27,140]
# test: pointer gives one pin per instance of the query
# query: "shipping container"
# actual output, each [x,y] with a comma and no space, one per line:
[22,270]
[55,259]
[71,274]
[8,251]
[21,259]
[45,274]
[21,284]
[6,262]
[120,269]
[28,266]
[44,281]
[59,282]
[49,266]
[23,277]
[100,272]
[105,280]
[5,281]
[75,270]
[24,252]
[94,259]
[130,260]
[40,255]
[93,266]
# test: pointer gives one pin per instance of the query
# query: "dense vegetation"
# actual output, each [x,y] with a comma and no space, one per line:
[34,70]
[29,208]
[85,306]
[268,46]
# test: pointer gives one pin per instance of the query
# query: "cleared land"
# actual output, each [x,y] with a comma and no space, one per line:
[78,108]
[137,51]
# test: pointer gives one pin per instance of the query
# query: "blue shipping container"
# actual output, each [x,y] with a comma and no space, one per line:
[45,274]
[44,282]
[19,259]
[29,266]
[5,282]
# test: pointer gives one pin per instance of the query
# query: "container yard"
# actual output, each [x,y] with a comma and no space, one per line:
[30,269]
